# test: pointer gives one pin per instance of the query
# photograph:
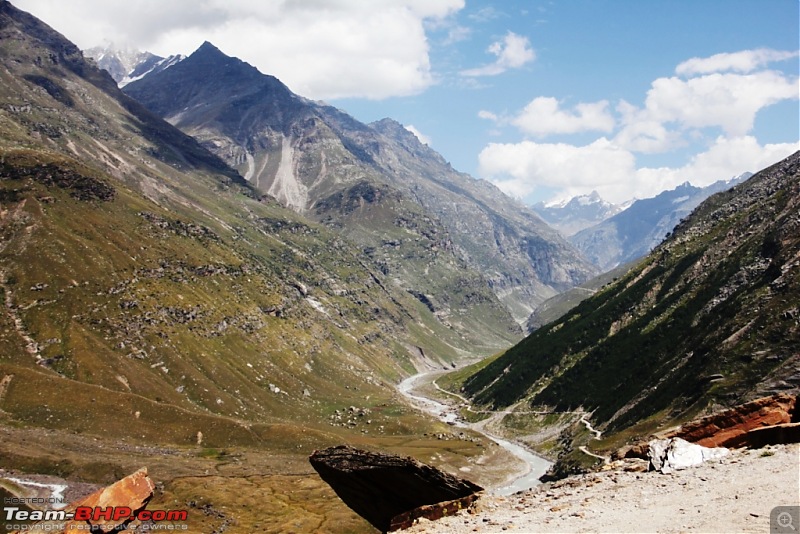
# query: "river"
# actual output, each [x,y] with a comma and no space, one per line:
[536,465]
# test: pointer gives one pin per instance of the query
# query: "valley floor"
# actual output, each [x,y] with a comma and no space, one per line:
[731,495]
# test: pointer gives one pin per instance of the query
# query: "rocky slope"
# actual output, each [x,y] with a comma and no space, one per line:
[375,183]
[636,230]
[708,318]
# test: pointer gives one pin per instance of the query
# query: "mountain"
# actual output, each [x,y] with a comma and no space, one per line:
[633,232]
[159,310]
[576,214]
[470,247]
[555,307]
[709,318]
[126,64]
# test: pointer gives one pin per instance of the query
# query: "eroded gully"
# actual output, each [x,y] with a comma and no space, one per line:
[536,466]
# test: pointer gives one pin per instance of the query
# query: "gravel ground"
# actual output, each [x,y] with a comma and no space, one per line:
[730,495]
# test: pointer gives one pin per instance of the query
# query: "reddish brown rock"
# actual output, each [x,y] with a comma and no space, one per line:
[731,428]
[132,492]
[390,491]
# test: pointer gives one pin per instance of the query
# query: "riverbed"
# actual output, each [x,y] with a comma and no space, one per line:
[536,465]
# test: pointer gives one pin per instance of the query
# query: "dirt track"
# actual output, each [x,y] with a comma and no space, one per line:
[731,495]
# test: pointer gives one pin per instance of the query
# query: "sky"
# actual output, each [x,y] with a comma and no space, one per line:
[547,99]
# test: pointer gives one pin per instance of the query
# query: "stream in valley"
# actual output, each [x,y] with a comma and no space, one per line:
[536,465]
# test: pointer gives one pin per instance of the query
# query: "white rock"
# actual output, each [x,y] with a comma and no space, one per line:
[674,454]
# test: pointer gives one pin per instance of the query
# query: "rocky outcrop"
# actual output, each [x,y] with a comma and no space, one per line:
[766,421]
[735,427]
[391,491]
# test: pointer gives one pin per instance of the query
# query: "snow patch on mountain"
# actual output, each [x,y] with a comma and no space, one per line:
[575,214]
[127,64]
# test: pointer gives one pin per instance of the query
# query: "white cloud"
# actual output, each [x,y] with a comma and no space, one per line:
[675,108]
[744,61]
[456,34]
[485,14]
[724,159]
[543,116]
[488,115]
[729,101]
[322,49]
[641,132]
[512,52]
[519,169]
[424,139]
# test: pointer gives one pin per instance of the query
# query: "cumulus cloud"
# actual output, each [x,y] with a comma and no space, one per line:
[729,101]
[519,169]
[642,133]
[709,97]
[512,52]
[544,116]
[725,158]
[743,61]
[675,110]
[424,139]
[323,49]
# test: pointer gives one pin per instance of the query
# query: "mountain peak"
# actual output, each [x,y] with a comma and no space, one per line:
[208,48]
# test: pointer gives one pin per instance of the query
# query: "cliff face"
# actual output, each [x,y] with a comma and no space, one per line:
[710,317]
[374,183]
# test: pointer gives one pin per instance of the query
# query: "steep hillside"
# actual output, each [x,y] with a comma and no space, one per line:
[369,181]
[157,310]
[635,231]
[553,308]
[709,318]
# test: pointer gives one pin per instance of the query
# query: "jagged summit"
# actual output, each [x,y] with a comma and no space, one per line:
[573,215]
[208,48]
[210,79]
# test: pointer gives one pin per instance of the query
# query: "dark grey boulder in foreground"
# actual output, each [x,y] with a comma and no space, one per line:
[391,491]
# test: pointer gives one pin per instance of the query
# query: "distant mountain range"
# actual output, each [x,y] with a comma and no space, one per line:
[457,243]
[611,235]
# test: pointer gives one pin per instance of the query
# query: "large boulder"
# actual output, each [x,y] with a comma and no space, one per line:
[391,491]
[674,454]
